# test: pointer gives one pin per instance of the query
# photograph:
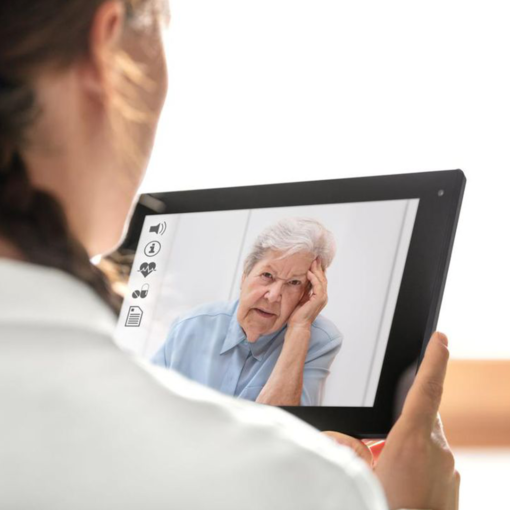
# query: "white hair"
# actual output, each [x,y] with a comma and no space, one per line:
[293,235]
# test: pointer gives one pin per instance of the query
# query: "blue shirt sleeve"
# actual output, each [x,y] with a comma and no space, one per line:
[159,357]
[163,355]
[316,370]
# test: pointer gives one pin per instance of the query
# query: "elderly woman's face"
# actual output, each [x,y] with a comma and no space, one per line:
[270,293]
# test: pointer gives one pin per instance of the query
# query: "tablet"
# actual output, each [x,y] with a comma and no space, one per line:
[216,275]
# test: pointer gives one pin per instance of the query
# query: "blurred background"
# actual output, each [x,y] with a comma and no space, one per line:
[281,90]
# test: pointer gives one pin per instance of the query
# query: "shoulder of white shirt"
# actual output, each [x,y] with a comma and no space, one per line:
[35,294]
[43,295]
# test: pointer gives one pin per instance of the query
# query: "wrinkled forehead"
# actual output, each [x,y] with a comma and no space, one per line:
[284,264]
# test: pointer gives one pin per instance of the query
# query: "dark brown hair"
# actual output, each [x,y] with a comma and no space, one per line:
[36,34]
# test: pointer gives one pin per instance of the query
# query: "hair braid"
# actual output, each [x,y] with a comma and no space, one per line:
[37,35]
[32,219]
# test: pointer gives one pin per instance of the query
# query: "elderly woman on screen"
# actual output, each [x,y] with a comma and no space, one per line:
[271,345]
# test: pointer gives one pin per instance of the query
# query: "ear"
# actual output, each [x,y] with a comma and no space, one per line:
[243,277]
[104,39]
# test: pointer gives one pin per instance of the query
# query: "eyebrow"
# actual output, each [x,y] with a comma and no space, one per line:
[273,270]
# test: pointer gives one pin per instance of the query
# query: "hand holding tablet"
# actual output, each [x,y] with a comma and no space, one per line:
[416,467]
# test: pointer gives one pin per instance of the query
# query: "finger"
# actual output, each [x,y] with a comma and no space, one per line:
[452,502]
[456,491]
[317,287]
[424,397]
[317,270]
[316,279]
[360,448]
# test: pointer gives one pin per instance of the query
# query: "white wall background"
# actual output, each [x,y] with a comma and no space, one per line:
[277,91]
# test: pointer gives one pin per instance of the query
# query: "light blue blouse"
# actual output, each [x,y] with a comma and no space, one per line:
[209,346]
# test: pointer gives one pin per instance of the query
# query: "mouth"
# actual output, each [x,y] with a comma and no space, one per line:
[264,313]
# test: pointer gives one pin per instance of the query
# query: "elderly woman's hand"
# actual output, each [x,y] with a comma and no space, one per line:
[313,300]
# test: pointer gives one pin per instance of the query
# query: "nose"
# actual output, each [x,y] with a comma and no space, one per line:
[274,293]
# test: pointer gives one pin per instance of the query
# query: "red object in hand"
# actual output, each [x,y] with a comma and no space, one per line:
[376,447]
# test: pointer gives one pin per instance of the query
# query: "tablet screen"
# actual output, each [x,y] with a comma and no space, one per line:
[207,297]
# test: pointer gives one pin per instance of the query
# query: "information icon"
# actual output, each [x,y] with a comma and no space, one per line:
[152,249]
[134,317]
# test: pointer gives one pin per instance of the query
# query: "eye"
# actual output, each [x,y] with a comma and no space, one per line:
[267,276]
[295,283]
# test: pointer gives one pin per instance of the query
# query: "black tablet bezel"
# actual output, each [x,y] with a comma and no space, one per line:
[417,309]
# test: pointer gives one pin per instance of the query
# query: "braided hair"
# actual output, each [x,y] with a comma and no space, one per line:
[35,33]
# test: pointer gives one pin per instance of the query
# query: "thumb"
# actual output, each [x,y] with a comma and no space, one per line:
[424,397]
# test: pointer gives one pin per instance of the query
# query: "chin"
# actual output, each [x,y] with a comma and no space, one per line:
[254,332]
[265,331]
[106,243]
[111,230]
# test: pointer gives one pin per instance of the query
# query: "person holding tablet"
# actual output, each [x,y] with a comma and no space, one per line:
[271,345]
[84,425]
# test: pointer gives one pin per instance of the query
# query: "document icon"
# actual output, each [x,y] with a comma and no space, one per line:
[134,317]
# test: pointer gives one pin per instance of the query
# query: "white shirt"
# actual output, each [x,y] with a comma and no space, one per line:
[84,425]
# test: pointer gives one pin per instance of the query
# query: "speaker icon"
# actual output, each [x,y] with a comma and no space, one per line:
[160,228]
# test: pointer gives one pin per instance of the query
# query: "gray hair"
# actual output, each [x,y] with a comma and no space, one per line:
[293,235]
